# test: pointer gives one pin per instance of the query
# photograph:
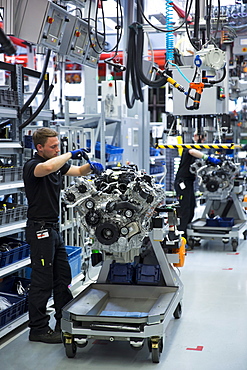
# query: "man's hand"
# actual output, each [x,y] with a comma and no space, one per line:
[79,154]
[96,167]
[213,160]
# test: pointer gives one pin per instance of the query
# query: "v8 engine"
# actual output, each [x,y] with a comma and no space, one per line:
[215,181]
[116,207]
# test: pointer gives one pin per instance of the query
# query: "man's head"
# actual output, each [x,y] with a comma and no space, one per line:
[46,142]
[199,138]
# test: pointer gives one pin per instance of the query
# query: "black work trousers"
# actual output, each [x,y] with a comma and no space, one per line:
[50,273]
[187,203]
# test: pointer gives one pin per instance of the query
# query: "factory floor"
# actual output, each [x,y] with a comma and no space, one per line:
[210,335]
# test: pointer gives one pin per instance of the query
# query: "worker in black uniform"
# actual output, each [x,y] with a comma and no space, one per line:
[184,184]
[50,268]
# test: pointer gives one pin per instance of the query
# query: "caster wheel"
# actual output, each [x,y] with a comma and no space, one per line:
[191,243]
[155,347]
[178,311]
[234,245]
[70,350]
[136,347]
[155,355]
[70,346]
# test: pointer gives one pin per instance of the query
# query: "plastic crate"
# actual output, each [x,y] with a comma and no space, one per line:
[11,212]
[147,274]
[121,273]
[220,222]
[212,222]
[10,285]
[112,153]
[74,258]
[8,98]
[154,152]
[226,221]
[18,253]
[156,169]
[28,142]
[10,174]
[11,313]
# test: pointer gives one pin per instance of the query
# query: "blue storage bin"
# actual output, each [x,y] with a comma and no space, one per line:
[17,308]
[10,285]
[74,258]
[18,253]
[121,273]
[147,274]
[154,152]
[226,221]
[220,222]
[112,153]
[212,222]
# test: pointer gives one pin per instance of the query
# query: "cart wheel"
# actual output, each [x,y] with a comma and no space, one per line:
[69,344]
[155,355]
[234,245]
[137,346]
[178,311]
[245,234]
[155,345]
[70,349]
[191,243]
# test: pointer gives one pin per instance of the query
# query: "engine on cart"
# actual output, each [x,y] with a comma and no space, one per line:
[116,207]
[215,181]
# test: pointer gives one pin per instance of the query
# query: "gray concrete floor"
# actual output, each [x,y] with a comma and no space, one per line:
[211,334]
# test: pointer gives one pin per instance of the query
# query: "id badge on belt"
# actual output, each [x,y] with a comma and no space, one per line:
[42,234]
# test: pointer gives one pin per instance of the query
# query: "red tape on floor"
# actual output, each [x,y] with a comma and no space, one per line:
[198,348]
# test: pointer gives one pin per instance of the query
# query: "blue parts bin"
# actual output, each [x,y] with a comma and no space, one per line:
[220,222]
[112,153]
[127,273]
[18,250]
[147,274]
[74,258]
[18,308]
[121,273]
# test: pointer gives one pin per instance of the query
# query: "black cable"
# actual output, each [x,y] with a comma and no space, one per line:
[161,81]
[131,72]
[41,106]
[221,79]
[157,28]
[187,11]
[134,70]
[218,20]
[41,79]
[189,90]
[119,29]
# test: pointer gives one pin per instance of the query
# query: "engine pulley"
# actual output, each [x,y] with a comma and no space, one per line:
[107,233]
[212,186]
[92,218]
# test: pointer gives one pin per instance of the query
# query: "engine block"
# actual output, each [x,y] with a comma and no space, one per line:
[215,181]
[116,207]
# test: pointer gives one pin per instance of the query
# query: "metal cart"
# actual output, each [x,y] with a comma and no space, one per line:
[132,313]
[198,229]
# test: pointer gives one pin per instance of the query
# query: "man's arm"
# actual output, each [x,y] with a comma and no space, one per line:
[51,165]
[196,153]
[79,170]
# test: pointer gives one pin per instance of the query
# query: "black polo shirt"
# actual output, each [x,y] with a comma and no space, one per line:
[42,193]
[184,168]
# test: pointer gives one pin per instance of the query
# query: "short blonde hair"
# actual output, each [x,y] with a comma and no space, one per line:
[41,135]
